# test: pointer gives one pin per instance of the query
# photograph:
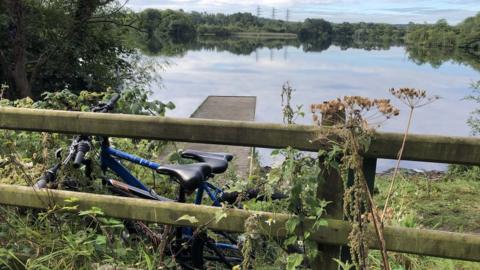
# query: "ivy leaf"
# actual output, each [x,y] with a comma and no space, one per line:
[188,218]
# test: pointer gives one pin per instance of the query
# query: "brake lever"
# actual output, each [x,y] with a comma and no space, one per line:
[101,107]
[71,151]
[58,153]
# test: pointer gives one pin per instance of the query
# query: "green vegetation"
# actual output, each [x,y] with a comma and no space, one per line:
[465,35]
[444,202]
[447,203]
[78,45]
[50,45]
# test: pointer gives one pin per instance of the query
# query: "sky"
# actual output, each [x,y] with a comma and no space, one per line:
[388,11]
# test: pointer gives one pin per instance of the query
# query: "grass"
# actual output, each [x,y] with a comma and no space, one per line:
[451,203]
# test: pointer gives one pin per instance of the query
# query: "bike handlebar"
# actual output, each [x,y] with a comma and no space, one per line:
[82,148]
[41,183]
[47,177]
[83,145]
[107,106]
[113,100]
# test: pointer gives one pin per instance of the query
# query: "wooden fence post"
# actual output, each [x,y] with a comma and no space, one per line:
[369,166]
[330,188]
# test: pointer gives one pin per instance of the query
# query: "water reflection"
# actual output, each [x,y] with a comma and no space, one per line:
[260,67]
[247,46]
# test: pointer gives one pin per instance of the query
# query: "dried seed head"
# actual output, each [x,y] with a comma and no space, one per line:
[414,98]
[356,109]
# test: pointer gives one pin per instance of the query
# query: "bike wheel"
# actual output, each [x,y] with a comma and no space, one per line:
[223,251]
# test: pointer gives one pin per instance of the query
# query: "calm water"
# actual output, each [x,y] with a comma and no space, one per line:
[320,76]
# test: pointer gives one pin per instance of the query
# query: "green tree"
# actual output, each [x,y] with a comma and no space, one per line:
[315,29]
[46,45]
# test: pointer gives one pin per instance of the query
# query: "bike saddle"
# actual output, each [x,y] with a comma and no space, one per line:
[218,161]
[188,175]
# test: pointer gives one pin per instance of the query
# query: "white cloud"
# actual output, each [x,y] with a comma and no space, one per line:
[266,2]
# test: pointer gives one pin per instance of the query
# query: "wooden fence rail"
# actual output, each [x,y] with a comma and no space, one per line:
[459,150]
[415,241]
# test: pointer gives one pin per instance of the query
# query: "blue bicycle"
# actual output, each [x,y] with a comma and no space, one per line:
[190,248]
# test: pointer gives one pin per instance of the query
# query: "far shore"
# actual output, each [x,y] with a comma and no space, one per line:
[265,35]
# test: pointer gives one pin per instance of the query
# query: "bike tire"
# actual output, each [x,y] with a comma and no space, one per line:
[203,250]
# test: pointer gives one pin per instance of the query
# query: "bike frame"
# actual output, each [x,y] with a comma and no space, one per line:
[108,161]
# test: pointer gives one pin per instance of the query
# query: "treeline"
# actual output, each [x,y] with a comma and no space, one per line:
[179,25]
[182,26]
[441,34]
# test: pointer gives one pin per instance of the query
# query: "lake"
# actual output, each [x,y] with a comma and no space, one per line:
[319,76]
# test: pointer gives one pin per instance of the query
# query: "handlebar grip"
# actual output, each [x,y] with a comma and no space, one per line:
[82,148]
[113,100]
[78,159]
[49,176]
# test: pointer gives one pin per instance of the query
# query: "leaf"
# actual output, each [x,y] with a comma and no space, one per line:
[291,241]
[220,215]
[320,223]
[111,222]
[70,208]
[188,218]
[294,260]
[291,224]
[101,240]
[344,266]
[71,200]
[275,152]
[94,211]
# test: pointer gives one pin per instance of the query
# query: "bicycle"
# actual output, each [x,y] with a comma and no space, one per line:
[190,177]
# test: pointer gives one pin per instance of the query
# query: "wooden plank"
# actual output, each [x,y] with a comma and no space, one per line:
[416,241]
[459,150]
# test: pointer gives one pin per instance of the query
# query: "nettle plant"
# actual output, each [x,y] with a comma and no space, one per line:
[350,136]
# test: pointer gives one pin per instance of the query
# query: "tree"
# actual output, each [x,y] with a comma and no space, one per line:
[50,44]
[315,29]
[167,24]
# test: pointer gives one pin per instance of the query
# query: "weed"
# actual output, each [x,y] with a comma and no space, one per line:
[414,99]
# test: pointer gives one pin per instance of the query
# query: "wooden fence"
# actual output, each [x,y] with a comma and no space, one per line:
[455,150]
